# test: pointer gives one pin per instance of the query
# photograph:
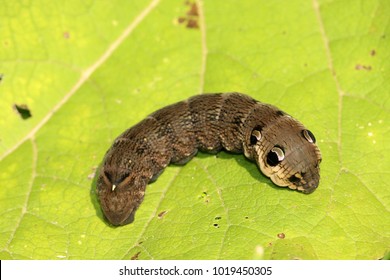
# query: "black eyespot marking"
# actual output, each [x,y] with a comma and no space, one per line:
[255,136]
[272,159]
[275,156]
[308,136]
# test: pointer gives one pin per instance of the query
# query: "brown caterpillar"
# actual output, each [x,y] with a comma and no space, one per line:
[282,147]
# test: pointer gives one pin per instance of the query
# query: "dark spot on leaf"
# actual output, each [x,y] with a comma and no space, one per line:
[162,214]
[192,23]
[218,218]
[66,35]
[135,257]
[216,225]
[363,67]
[181,19]
[191,19]
[205,197]
[193,11]
[373,52]
[1,77]
[246,217]
[23,111]
[281,235]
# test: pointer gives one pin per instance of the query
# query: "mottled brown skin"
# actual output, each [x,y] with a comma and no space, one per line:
[281,146]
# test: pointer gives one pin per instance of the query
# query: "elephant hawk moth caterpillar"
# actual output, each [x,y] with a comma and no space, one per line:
[284,150]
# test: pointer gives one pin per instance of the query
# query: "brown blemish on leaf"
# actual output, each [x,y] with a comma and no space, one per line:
[363,67]
[135,257]
[205,197]
[181,19]
[191,19]
[373,52]
[22,110]
[162,214]
[92,175]
[281,235]
[1,77]
[191,23]
[193,11]
[66,35]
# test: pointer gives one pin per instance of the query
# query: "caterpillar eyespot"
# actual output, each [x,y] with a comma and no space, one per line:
[255,137]
[275,156]
[309,136]
[210,122]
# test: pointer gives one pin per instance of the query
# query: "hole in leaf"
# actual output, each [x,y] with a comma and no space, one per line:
[23,111]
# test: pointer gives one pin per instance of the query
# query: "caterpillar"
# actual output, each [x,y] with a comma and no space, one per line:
[284,150]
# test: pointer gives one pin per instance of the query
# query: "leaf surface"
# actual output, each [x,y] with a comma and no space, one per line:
[86,72]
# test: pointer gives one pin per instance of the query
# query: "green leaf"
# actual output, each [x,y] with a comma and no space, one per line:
[87,71]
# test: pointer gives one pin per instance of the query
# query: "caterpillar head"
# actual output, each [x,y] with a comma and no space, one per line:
[120,194]
[287,153]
